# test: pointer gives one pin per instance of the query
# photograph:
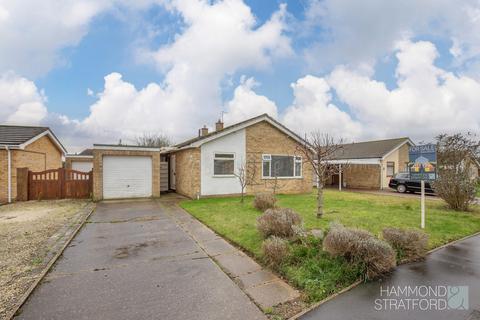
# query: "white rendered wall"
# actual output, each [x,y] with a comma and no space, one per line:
[232,143]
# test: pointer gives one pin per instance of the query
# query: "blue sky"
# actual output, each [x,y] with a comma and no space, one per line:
[359,71]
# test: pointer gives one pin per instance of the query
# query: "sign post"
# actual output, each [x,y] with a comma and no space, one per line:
[423,167]
[422,224]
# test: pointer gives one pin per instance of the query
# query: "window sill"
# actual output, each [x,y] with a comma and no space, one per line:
[223,176]
[282,178]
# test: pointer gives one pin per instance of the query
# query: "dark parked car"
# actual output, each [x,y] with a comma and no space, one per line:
[402,183]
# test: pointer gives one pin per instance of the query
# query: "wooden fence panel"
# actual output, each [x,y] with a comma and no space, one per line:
[22,184]
[59,184]
[77,184]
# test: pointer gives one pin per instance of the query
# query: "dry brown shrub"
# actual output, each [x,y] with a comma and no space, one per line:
[264,201]
[279,222]
[409,243]
[275,250]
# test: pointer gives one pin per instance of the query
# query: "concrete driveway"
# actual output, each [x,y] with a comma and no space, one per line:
[455,265]
[132,261]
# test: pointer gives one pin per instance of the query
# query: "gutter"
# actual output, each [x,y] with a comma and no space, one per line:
[9,173]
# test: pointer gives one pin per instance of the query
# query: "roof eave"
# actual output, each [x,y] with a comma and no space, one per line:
[407,140]
[44,133]
[244,125]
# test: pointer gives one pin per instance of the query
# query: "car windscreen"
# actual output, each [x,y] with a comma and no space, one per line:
[402,176]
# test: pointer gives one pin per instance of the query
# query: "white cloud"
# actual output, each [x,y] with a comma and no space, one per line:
[218,40]
[20,100]
[427,100]
[33,33]
[247,104]
[352,32]
[313,110]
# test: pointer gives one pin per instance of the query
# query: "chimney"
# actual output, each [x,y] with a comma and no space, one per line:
[203,131]
[219,125]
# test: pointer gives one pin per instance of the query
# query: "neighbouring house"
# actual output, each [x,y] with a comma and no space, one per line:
[370,164]
[36,148]
[206,165]
[475,169]
[82,161]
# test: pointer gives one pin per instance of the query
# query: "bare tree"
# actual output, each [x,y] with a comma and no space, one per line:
[319,150]
[455,157]
[157,140]
[246,173]
[273,182]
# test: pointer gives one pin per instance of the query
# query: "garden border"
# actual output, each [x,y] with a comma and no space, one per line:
[358,282]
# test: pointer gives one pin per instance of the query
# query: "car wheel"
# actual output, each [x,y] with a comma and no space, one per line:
[401,188]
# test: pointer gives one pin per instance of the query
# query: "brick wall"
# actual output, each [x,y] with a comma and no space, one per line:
[403,158]
[187,168]
[263,138]
[53,156]
[3,177]
[362,176]
[98,169]
[40,155]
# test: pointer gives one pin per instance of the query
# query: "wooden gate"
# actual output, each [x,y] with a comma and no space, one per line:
[59,184]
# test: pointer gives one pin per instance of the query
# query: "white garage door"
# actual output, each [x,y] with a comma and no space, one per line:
[84,166]
[127,177]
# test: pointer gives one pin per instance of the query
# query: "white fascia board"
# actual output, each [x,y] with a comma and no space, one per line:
[397,147]
[243,126]
[78,156]
[9,146]
[125,148]
[356,161]
[44,133]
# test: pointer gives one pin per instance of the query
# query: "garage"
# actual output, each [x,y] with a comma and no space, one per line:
[127,177]
[83,166]
[121,172]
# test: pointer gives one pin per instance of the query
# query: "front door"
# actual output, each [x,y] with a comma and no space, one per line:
[172,172]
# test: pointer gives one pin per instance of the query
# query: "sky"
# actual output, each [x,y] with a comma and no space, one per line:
[100,71]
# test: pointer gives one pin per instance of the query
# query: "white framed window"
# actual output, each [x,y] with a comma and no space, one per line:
[223,164]
[281,166]
[298,166]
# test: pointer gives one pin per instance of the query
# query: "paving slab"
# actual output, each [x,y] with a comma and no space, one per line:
[272,293]
[217,246]
[256,278]
[237,264]
[263,287]
[139,268]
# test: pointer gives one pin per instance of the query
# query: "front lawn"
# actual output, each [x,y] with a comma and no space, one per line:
[311,269]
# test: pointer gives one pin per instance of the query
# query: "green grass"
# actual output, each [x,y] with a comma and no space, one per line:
[310,268]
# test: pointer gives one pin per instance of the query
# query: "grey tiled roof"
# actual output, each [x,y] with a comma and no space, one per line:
[190,141]
[16,135]
[368,149]
[86,152]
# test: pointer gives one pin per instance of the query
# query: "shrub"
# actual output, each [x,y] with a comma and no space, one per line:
[360,246]
[264,201]
[279,222]
[275,251]
[376,255]
[411,244]
[341,241]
